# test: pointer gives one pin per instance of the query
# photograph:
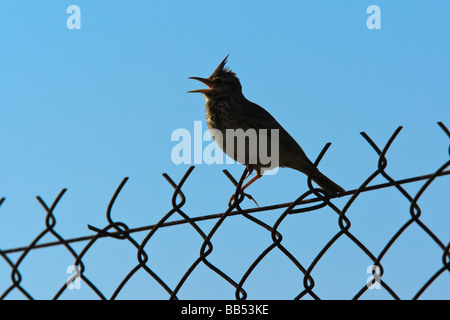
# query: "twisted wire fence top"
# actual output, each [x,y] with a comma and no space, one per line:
[142,238]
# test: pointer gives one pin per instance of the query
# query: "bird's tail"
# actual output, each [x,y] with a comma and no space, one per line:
[326,184]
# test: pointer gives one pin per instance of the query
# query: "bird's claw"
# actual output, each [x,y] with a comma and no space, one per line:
[232,198]
[249,173]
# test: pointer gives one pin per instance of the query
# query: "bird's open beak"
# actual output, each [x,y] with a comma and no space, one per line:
[205,81]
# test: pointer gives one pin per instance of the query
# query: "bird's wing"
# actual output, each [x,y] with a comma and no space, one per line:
[259,118]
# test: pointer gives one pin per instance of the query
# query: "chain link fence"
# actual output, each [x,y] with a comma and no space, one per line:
[310,201]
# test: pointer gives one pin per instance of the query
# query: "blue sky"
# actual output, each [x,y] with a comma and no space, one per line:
[82,109]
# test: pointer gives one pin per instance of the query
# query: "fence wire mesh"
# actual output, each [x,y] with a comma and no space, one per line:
[310,201]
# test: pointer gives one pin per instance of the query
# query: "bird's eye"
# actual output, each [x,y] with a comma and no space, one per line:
[218,81]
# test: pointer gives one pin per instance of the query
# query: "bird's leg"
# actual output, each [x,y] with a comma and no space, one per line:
[245,194]
[250,171]
[251,181]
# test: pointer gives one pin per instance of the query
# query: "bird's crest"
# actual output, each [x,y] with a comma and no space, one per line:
[221,69]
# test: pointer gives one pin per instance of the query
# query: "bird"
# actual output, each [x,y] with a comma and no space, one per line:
[228,109]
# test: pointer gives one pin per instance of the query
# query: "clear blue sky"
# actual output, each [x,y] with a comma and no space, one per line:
[82,109]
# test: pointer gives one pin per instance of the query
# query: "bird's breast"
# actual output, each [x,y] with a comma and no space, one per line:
[219,114]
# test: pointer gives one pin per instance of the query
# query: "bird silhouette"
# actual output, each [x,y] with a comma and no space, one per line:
[227,110]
